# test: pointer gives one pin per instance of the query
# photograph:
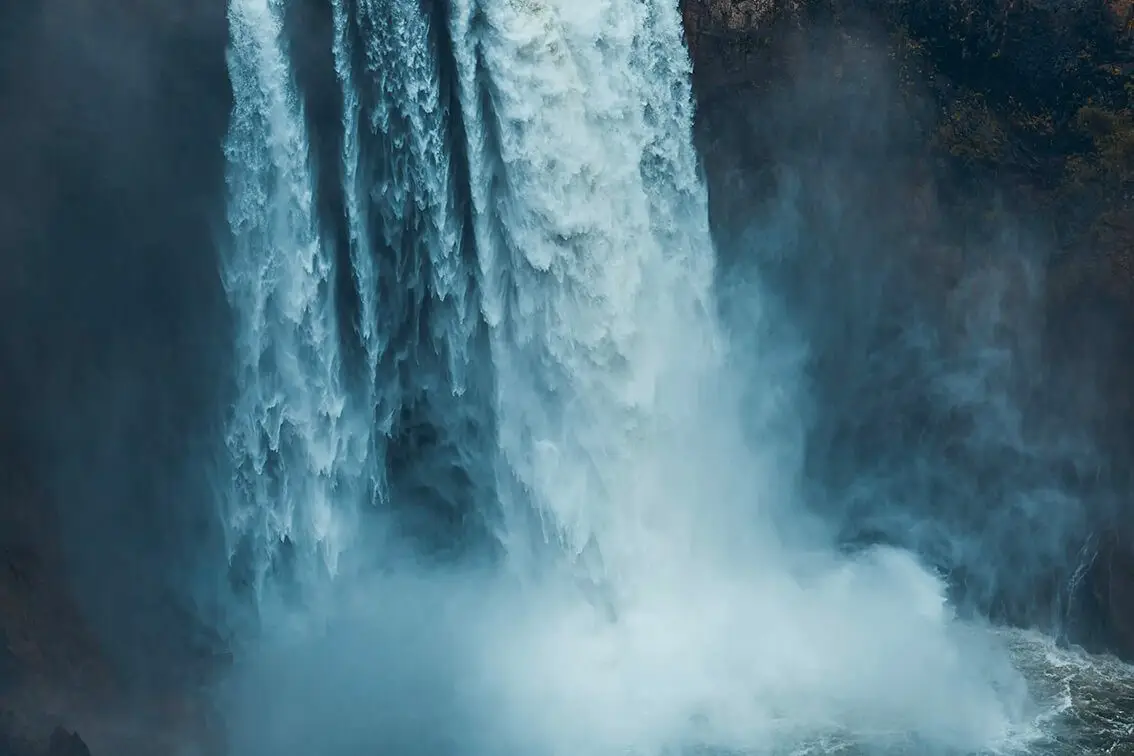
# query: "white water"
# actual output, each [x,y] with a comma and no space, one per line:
[682,615]
[412,190]
[595,293]
[295,452]
[406,229]
[619,413]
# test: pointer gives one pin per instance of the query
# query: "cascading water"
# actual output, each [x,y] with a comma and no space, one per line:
[618,419]
[392,98]
[296,455]
[309,442]
[419,317]
[625,458]
[594,248]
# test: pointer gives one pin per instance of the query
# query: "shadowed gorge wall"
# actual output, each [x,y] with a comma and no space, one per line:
[114,328]
[924,184]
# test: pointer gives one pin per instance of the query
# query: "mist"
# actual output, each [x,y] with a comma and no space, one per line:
[937,416]
[437,662]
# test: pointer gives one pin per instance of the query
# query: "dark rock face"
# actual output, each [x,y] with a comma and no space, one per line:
[113,348]
[64,743]
[61,743]
[939,191]
[114,321]
[1111,586]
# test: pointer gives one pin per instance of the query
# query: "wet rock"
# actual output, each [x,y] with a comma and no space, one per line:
[1111,584]
[9,668]
[738,16]
[13,738]
[66,743]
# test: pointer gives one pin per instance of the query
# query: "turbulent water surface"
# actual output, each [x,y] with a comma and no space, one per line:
[521,332]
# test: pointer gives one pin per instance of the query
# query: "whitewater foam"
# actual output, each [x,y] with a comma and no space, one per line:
[292,444]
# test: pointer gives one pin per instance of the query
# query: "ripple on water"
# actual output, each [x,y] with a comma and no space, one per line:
[1086,704]
[1089,699]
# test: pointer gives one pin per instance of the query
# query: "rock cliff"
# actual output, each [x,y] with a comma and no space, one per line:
[960,146]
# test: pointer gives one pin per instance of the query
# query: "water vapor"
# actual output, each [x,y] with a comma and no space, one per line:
[938,419]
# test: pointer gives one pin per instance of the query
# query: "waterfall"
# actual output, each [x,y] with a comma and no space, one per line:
[623,438]
[554,207]
[310,442]
[295,450]
[594,249]
[419,315]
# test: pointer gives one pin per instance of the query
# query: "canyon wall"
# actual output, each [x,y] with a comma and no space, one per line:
[978,150]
